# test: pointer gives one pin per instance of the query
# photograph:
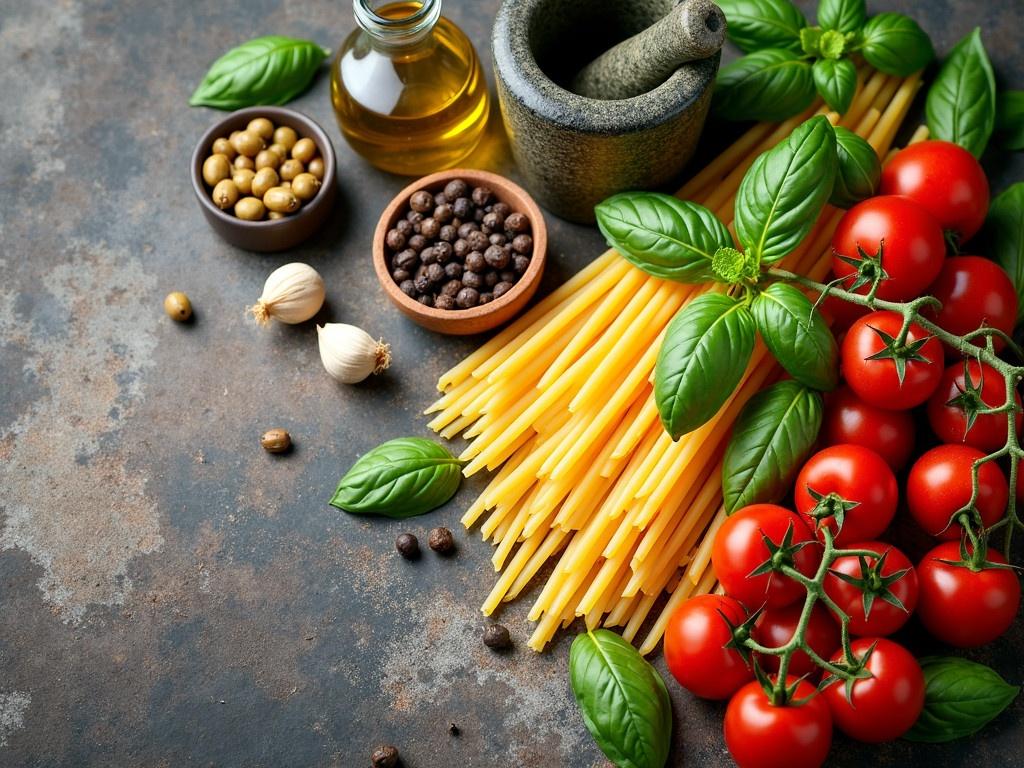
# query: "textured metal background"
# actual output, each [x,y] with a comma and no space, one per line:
[170,594]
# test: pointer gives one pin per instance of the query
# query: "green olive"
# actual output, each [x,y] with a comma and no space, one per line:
[281,200]
[275,215]
[216,168]
[316,167]
[264,179]
[177,306]
[285,184]
[243,180]
[291,168]
[281,149]
[225,194]
[305,186]
[245,162]
[248,143]
[231,136]
[261,127]
[249,209]
[304,150]
[286,136]
[222,146]
[267,158]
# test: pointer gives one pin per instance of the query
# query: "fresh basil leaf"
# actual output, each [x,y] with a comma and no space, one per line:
[757,24]
[836,81]
[705,351]
[400,478]
[895,44]
[1003,236]
[266,70]
[623,700]
[961,697]
[842,15]
[1010,120]
[771,438]
[961,104]
[797,335]
[771,85]
[785,189]
[858,172]
[662,235]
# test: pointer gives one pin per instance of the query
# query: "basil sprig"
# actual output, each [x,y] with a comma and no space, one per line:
[1003,237]
[623,700]
[401,478]
[961,697]
[961,103]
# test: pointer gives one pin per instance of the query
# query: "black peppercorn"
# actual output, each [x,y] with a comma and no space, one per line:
[494,221]
[455,223]
[507,276]
[385,756]
[496,257]
[443,213]
[429,228]
[507,248]
[441,540]
[491,278]
[475,261]
[482,195]
[473,279]
[439,198]
[460,247]
[403,226]
[426,299]
[395,240]
[502,209]
[421,201]
[443,252]
[414,217]
[455,189]
[435,273]
[408,546]
[478,215]
[428,255]
[408,287]
[462,207]
[448,233]
[522,244]
[496,637]
[422,283]
[441,301]
[520,264]
[468,297]
[451,288]
[453,729]
[406,259]
[469,226]
[517,222]
[477,241]
[501,289]
[400,275]
[486,297]
[498,239]
[453,270]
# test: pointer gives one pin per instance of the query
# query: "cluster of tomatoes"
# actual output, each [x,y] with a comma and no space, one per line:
[895,244]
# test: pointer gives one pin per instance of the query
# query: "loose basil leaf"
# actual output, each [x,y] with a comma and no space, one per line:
[858,172]
[757,24]
[961,697]
[706,350]
[1003,237]
[265,70]
[770,440]
[400,478]
[623,700]
[797,335]
[895,44]
[842,15]
[771,85]
[836,81]
[961,104]
[785,189]
[662,235]
[1010,120]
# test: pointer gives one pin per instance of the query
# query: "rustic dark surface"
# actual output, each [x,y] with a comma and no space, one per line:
[169,593]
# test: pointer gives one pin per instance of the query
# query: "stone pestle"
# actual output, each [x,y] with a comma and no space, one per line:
[692,30]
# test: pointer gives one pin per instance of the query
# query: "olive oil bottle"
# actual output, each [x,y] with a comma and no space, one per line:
[407,88]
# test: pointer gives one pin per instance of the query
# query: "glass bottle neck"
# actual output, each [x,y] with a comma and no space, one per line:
[397,23]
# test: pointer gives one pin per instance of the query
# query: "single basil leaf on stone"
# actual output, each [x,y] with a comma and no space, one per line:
[842,15]
[770,440]
[895,44]
[785,189]
[836,81]
[772,85]
[961,104]
[623,700]
[961,697]
[270,70]
[797,335]
[1003,237]
[662,235]
[858,172]
[705,351]
[1010,120]
[400,478]
[757,24]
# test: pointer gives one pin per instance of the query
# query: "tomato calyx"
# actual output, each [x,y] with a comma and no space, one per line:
[830,505]
[873,584]
[778,692]
[869,268]
[900,352]
[853,667]
[781,555]
[741,633]
[969,399]
[976,559]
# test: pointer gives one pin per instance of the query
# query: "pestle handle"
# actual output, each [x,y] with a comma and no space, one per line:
[692,30]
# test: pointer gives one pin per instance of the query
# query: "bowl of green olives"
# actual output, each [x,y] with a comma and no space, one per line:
[264,178]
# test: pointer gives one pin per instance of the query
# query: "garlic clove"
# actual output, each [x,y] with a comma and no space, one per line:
[292,294]
[350,354]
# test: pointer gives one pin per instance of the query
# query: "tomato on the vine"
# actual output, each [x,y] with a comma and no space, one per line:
[951,407]
[939,484]
[962,607]
[775,627]
[906,236]
[974,292]
[695,646]
[848,419]
[943,178]
[739,549]
[848,481]
[885,705]
[872,597]
[761,735]
[872,362]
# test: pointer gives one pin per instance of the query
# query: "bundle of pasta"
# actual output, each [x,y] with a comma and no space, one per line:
[560,403]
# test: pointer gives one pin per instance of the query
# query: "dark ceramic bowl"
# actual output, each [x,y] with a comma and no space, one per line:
[266,235]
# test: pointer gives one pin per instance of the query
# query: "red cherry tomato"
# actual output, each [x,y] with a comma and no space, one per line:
[962,607]
[939,484]
[848,419]
[695,651]
[877,382]
[739,549]
[885,705]
[945,179]
[949,422]
[775,627]
[760,735]
[850,473]
[909,238]
[884,617]
[974,292]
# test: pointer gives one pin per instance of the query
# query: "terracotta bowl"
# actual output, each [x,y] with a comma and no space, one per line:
[266,235]
[463,322]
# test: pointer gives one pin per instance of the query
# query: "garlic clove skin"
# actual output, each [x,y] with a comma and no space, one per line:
[350,354]
[292,294]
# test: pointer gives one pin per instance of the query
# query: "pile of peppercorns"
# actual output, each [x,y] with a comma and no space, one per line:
[458,248]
